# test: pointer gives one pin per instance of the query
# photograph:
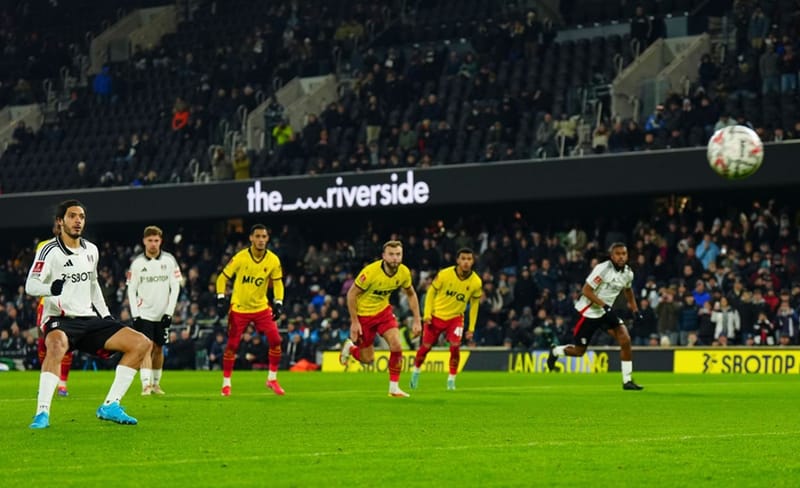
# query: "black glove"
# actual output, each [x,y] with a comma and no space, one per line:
[222,306]
[166,320]
[277,310]
[136,321]
[610,313]
[56,287]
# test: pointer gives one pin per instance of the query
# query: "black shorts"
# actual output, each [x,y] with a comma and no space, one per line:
[87,334]
[154,331]
[586,327]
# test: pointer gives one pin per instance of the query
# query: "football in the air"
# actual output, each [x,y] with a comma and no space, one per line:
[735,152]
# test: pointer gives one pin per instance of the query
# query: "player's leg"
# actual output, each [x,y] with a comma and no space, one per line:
[267,326]
[582,334]
[133,345]
[362,351]
[236,325]
[66,365]
[430,334]
[392,337]
[56,345]
[157,356]
[146,371]
[146,368]
[623,338]
[454,332]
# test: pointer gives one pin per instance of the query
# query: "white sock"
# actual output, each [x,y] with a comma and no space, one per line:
[226,381]
[393,386]
[272,375]
[62,384]
[416,369]
[559,350]
[146,374]
[122,381]
[627,370]
[48,382]
[157,376]
[451,377]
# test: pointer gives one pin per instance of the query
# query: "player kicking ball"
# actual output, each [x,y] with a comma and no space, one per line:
[601,289]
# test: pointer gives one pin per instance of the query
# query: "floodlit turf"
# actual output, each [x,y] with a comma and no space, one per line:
[497,429]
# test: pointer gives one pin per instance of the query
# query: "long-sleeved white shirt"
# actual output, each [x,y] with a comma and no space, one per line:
[78,268]
[153,286]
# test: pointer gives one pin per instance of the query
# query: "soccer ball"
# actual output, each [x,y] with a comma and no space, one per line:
[735,152]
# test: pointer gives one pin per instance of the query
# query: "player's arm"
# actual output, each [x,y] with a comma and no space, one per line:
[631,300]
[430,299]
[174,288]
[588,292]
[40,282]
[277,293]
[474,305]
[352,307]
[222,283]
[98,300]
[413,304]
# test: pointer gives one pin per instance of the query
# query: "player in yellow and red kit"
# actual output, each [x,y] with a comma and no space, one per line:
[445,304]
[252,270]
[371,314]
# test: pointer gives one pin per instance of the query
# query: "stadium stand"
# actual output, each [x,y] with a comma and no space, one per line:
[485,77]
[437,83]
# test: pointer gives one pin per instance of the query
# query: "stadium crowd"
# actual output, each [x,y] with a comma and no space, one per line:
[495,96]
[713,280]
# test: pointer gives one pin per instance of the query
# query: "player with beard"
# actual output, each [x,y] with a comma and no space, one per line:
[600,291]
[66,362]
[371,313]
[64,272]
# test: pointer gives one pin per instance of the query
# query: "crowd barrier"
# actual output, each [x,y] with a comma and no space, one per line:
[730,360]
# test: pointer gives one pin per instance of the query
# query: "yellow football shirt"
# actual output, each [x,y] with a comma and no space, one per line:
[449,295]
[251,279]
[378,286]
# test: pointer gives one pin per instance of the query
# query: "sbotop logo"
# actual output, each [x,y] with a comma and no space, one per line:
[396,192]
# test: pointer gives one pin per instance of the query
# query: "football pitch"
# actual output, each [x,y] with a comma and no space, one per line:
[496,429]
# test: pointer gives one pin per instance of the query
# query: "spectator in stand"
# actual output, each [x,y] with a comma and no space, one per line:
[641,28]
[758,28]
[727,321]
[103,86]
[180,115]
[282,132]
[655,122]
[83,177]
[708,72]
[788,67]
[600,139]
[617,140]
[374,120]
[768,69]
[241,164]
[707,251]
[221,169]
[634,136]
[544,143]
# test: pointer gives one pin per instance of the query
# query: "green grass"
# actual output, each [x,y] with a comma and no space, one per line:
[497,429]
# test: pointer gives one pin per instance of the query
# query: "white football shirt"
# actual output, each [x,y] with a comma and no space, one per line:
[78,268]
[153,286]
[607,283]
